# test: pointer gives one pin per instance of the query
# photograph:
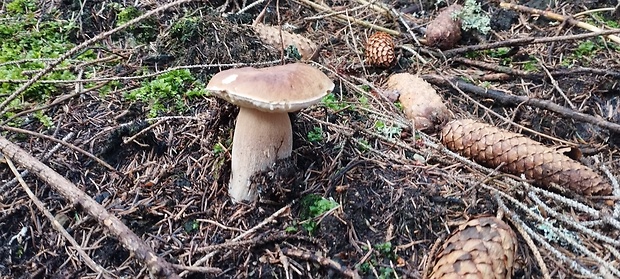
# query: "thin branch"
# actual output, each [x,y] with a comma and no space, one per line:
[514,73]
[326,262]
[157,266]
[526,41]
[155,74]
[528,240]
[346,19]
[87,259]
[554,16]
[80,150]
[504,98]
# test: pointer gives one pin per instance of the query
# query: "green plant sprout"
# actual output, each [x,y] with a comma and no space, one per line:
[191,226]
[187,28]
[530,66]
[389,131]
[584,52]
[21,6]
[45,119]
[167,92]
[362,145]
[313,206]
[330,101]
[218,148]
[291,229]
[600,17]
[315,135]
[144,32]
[384,251]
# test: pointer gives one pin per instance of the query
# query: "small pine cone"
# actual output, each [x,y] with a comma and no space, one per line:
[483,248]
[491,146]
[380,50]
[271,36]
[444,31]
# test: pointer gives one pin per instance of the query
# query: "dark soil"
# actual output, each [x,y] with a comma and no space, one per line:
[400,190]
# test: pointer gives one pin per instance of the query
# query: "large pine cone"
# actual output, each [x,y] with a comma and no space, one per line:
[483,248]
[491,146]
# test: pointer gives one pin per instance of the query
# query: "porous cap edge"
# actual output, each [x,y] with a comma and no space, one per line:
[284,88]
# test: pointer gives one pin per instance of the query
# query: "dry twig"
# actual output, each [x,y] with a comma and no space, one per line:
[69,145]
[157,266]
[347,19]
[526,41]
[308,256]
[504,98]
[87,259]
[554,16]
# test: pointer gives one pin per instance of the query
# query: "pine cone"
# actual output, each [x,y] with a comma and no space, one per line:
[483,248]
[444,31]
[421,103]
[491,146]
[271,36]
[380,50]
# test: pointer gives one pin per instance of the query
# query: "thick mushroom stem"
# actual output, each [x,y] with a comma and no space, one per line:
[260,139]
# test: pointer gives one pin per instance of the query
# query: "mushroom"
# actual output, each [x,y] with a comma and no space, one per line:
[263,132]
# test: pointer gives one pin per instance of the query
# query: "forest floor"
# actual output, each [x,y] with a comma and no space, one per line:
[124,116]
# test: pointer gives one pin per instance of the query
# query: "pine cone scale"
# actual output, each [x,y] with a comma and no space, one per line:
[481,248]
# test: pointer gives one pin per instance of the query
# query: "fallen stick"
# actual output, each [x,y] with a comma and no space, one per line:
[157,267]
[504,98]
[39,204]
[527,41]
[345,18]
[554,16]
[516,73]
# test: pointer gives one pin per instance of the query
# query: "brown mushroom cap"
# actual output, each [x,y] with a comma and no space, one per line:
[263,132]
[285,88]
